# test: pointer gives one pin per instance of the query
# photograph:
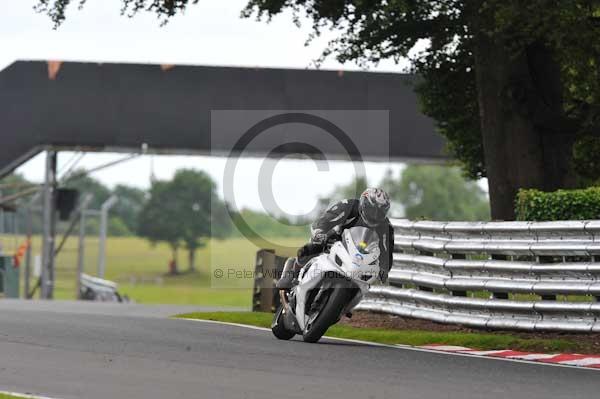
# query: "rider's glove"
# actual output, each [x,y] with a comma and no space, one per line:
[319,239]
[308,250]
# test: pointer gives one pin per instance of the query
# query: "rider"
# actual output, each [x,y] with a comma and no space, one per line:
[370,210]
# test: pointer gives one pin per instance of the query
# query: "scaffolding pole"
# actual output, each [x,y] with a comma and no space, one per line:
[81,247]
[49,226]
[103,233]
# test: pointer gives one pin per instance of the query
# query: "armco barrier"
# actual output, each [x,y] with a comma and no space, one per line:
[499,275]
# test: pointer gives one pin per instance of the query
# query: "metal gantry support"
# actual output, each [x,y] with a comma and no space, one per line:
[1,217]
[49,197]
[103,233]
[49,226]
[81,247]
[28,253]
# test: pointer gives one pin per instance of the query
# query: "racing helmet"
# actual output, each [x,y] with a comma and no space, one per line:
[373,206]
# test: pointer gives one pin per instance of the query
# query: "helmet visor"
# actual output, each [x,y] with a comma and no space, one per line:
[374,215]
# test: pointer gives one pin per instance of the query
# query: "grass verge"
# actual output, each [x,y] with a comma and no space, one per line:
[474,340]
[140,269]
[6,396]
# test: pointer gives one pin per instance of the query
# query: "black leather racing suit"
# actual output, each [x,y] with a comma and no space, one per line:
[344,215]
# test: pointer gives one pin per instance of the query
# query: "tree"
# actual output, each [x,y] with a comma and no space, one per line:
[156,222]
[260,224]
[513,85]
[86,184]
[437,193]
[185,210]
[389,184]
[199,210]
[116,227]
[510,83]
[56,9]
[124,215]
[351,190]
[131,201]
[14,184]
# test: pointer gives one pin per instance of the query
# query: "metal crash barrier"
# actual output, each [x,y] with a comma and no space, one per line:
[497,275]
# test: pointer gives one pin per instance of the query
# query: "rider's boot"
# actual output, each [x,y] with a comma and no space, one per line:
[289,276]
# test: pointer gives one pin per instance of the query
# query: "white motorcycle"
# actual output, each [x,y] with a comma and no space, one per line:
[329,286]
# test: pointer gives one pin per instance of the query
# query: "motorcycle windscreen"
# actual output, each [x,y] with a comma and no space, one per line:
[365,241]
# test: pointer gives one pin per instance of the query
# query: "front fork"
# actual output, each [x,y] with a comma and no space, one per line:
[283,299]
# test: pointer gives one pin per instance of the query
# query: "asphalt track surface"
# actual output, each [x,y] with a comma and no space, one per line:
[71,350]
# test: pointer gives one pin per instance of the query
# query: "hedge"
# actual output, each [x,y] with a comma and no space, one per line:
[537,205]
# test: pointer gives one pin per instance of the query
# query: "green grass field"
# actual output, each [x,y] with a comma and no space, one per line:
[6,396]
[140,269]
[475,340]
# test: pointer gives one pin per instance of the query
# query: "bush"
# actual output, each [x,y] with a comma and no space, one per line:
[116,227]
[537,205]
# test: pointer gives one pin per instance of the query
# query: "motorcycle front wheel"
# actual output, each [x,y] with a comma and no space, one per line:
[339,296]
[278,328]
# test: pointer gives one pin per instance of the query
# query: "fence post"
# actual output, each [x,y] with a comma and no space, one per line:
[499,295]
[29,234]
[422,287]
[103,233]
[458,293]
[267,282]
[264,281]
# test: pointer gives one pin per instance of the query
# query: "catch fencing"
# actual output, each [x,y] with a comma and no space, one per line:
[498,275]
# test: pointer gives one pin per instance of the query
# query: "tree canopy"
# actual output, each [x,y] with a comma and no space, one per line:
[351,190]
[264,225]
[87,184]
[437,193]
[12,186]
[184,211]
[514,86]
[155,219]
[434,192]
[130,204]
[123,216]
[57,9]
